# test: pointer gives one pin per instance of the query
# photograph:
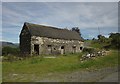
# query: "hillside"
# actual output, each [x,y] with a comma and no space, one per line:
[3,44]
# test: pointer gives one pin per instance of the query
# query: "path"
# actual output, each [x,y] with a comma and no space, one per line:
[101,75]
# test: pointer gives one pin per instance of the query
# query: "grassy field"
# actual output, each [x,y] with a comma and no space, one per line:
[26,70]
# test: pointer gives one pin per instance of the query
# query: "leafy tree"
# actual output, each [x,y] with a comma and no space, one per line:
[115,39]
[112,42]
[93,39]
[101,38]
[77,30]
[9,50]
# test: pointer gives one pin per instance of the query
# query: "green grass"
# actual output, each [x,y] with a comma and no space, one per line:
[95,44]
[106,61]
[40,66]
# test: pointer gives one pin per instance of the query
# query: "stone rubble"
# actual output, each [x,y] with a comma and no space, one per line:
[93,55]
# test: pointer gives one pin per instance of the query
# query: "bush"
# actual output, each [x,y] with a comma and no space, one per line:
[107,47]
[88,50]
[10,50]
[115,40]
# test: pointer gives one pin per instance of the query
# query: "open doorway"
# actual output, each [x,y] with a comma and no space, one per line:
[62,50]
[74,49]
[36,49]
[49,49]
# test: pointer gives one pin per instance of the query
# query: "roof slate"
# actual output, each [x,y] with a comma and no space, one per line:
[52,32]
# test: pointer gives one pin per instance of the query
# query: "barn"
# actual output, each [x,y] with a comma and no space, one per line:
[39,39]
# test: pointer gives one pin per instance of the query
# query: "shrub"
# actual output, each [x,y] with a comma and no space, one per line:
[10,50]
[88,50]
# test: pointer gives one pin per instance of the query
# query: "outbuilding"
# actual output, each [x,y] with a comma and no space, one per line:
[39,39]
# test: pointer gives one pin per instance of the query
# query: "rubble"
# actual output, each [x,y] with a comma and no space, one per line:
[92,55]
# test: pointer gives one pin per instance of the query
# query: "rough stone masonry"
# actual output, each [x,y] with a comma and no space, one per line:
[39,39]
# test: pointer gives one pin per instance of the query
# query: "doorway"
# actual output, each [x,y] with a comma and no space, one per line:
[49,49]
[36,49]
[62,50]
[74,49]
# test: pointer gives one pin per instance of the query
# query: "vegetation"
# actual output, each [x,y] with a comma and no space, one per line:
[113,42]
[88,50]
[7,50]
[76,29]
[40,66]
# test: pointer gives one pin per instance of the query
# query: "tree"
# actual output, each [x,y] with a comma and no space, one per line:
[101,38]
[115,39]
[77,30]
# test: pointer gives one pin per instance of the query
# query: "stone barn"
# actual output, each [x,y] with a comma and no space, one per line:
[39,39]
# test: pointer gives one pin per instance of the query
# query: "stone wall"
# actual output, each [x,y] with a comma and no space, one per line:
[55,46]
[25,45]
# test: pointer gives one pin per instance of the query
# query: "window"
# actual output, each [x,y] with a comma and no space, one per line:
[62,47]
[74,46]
[49,46]
[81,48]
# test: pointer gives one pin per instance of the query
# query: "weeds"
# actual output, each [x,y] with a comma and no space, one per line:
[40,66]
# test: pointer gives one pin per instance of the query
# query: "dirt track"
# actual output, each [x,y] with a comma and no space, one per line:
[100,75]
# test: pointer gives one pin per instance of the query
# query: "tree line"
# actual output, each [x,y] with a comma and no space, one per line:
[112,42]
[7,50]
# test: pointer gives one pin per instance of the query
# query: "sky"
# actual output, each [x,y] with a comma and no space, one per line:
[59,0]
[88,16]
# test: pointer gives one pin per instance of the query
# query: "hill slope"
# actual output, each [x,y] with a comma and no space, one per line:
[3,44]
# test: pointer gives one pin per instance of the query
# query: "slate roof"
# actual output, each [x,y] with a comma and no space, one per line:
[52,32]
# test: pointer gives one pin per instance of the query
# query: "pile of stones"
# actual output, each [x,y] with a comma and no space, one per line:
[93,55]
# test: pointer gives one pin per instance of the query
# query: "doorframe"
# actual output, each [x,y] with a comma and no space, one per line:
[74,49]
[62,51]
[37,50]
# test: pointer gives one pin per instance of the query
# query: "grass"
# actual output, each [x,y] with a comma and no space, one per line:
[107,61]
[95,44]
[40,66]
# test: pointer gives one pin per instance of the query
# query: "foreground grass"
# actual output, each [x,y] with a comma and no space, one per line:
[40,66]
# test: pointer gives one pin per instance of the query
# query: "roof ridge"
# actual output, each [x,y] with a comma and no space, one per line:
[45,26]
[53,32]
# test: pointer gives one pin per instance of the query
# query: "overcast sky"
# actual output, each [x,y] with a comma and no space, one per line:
[59,0]
[88,16]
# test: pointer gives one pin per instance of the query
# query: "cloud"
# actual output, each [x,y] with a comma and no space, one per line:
[87,16]
[60,0]
[82,13]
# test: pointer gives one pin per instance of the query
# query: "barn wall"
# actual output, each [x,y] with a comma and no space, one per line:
[53,46]
[38,41]
[25,38]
